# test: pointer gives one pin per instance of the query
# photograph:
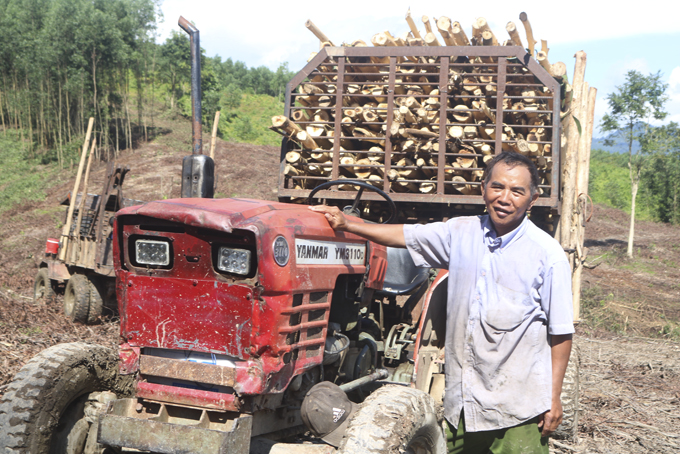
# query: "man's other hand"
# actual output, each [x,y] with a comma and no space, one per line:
[549,420]
[334,216]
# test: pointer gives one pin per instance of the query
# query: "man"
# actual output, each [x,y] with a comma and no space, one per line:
[509,312]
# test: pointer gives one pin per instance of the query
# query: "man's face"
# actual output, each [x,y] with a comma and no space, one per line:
[508,196]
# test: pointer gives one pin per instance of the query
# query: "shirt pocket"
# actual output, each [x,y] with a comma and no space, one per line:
[506,309]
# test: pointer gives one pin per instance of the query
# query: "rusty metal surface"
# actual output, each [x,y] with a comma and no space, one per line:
[122,426]
[194,35]
[186,396]
[57,270]
[188,370]
[338,66]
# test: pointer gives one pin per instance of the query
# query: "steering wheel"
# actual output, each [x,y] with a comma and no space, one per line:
[353,210]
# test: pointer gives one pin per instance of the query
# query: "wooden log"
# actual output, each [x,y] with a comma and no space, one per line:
[456,132]
[558,70]
[470,132]
[459,35]
[407,115]
[426,23]
[423,132]
[484,27]
[291,171]
[321,156]
[376,155]
[521,146]
[402,185]
[295,158]
[428,188]
[412,25]
[370,136]
[306,141]
[318,33]
[466,162]
[363,172]
[542,58]
[411,103]
[283,123]
[431,40]
[530,34]
[511,28]
[301,115]
[461,113]
[444,27]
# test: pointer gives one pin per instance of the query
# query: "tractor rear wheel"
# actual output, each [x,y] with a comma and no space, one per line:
[43,290]
[97,294]
[47,409]
[395,419]
[77,298]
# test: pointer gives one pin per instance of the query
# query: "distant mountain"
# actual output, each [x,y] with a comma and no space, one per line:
[619,146]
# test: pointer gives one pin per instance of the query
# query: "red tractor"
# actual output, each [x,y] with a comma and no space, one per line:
[233,309]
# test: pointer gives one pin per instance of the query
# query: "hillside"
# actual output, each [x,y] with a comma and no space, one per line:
[628,338]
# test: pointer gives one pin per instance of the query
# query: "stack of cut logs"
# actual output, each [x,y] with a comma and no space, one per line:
[410,134]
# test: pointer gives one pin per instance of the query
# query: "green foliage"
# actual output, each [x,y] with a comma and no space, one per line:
[249,121]
[662,176]
[609,184]
[22,178]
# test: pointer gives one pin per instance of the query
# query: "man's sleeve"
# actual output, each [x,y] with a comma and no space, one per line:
[429,244]
[556,298]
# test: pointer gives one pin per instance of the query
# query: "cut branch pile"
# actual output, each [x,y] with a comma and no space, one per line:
[398,123]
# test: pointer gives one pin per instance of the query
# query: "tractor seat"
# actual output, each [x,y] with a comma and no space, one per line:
[402,276]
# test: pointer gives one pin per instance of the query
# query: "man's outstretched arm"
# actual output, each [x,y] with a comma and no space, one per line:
[386,234]
[560,349]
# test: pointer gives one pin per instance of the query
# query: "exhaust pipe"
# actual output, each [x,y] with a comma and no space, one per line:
[198,170]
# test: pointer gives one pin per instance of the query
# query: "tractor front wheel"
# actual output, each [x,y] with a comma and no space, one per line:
[43,289]
[395,419]
[51,405]
[77,298]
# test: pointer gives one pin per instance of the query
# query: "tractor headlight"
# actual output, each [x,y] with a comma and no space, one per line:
[152,252]
[233,260]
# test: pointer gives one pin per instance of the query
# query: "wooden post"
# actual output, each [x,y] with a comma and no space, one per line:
[570,155]
[69,216]
[213,139]
[83,200]
[582,190]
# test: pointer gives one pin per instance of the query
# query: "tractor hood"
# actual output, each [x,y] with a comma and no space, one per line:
[217,214]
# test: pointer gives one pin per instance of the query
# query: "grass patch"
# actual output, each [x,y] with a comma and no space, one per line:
[249,120]
[22,176]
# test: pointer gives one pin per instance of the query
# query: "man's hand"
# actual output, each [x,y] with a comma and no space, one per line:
[560,349]
[335,217]
[549,420]
[385,234]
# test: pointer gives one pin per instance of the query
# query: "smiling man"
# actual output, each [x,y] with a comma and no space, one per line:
[509,317]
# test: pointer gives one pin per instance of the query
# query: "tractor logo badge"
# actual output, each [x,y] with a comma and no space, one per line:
[281,251]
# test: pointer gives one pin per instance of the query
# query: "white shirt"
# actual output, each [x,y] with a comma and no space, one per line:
[505,296]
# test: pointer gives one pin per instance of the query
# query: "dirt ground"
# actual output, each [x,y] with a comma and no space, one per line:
[628,340]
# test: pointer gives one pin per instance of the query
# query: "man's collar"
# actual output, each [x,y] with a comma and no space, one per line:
[493,241]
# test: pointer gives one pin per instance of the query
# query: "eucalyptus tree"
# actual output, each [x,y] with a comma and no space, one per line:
[633,107]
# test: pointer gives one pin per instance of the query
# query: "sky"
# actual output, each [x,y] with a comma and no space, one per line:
[616,36]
